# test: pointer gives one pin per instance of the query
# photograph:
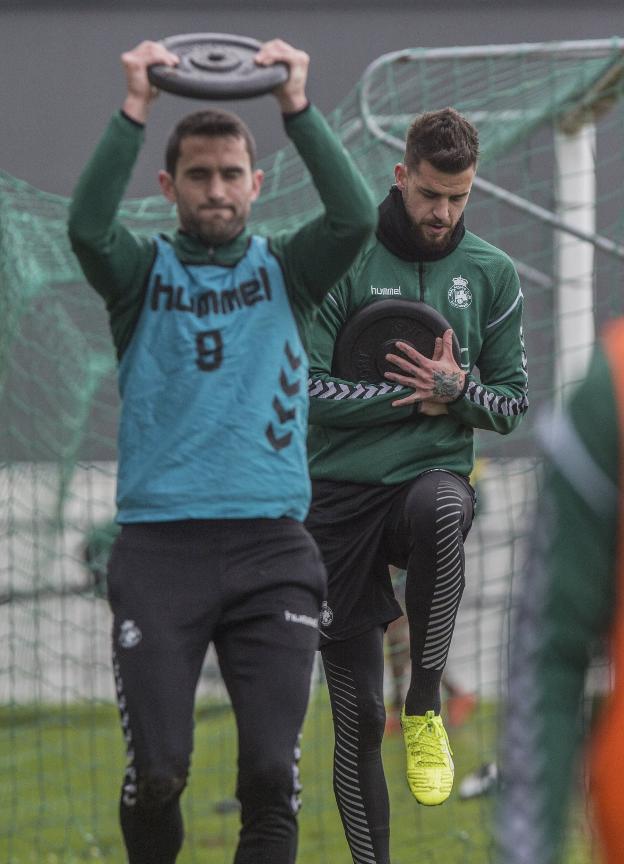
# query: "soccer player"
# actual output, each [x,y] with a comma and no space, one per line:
[210,327]
[570,604]
[390,464]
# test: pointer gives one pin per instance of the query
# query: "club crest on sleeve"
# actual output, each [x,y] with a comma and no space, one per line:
[459,294]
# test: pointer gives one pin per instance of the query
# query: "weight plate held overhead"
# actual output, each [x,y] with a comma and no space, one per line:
[216,66]
[362,344]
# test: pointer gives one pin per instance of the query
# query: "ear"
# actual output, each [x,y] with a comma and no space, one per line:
[167,186]
[257,178]
[400,176]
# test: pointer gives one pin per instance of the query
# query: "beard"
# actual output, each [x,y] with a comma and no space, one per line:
[431,244]
[212,226]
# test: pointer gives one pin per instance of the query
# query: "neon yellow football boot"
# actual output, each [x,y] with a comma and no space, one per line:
[430,766]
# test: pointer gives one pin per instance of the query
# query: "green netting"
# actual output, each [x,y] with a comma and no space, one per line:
[60,748]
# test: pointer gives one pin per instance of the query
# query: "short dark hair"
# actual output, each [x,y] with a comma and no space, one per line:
[213,123]
[445,139]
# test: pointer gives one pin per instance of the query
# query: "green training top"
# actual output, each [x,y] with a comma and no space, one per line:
[117,261]
[356,434]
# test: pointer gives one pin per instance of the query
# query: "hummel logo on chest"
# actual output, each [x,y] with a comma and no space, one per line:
[385,292]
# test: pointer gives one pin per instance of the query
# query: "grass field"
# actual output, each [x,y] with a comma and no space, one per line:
[61,770]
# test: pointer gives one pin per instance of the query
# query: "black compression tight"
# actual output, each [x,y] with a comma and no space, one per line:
[354,670]
[428,538]
[427,531]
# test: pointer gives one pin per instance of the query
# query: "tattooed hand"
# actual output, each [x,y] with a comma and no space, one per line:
[434,381]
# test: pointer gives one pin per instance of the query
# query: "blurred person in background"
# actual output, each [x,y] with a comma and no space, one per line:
[571,604]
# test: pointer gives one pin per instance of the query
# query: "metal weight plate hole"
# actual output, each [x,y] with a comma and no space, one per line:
[215,59]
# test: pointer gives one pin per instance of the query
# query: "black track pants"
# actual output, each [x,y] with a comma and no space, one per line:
[253,588]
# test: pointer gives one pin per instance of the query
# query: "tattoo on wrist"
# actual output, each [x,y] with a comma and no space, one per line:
[446,385]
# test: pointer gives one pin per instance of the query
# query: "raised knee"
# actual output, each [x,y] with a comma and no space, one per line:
[420,511]
[155,791]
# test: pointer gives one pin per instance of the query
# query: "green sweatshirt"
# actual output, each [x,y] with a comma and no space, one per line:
[566,604]
[355,433]
[117,261]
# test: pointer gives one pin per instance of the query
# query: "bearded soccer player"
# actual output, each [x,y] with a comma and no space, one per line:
[390,464]
[210,327]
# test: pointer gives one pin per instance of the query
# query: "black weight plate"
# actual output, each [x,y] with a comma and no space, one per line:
[216,66]
[362,344]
